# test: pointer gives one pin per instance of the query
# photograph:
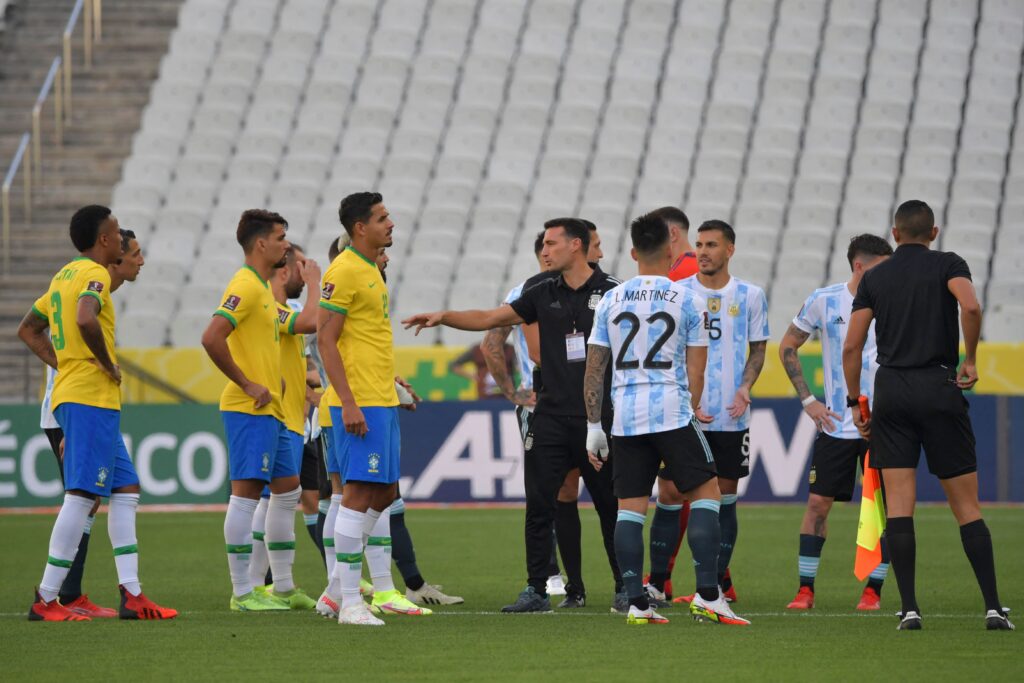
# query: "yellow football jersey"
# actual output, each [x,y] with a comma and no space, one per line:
[353,286]
[79,378]
[293,369]
[255,343]
[326,421]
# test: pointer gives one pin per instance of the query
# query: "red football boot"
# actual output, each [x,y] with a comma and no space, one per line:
[52,611]
[869,600]
[804,599]
[141,607]
[87,608]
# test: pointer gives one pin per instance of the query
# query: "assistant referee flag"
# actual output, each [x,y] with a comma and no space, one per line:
[872,515]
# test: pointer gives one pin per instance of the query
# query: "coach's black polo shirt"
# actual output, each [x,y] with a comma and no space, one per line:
[916,316]
[559,311]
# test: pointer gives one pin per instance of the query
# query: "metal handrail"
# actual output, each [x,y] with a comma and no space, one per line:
[52,82]
[5,195]
[87,38]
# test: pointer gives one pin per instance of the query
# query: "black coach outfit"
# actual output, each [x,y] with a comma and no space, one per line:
[917,401]
[557,436]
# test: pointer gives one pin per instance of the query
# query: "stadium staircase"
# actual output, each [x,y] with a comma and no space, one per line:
[107,105]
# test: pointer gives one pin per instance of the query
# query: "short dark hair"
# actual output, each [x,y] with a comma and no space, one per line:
[126,238]
[671,214]
[721,226]
[649,233]
[538,243]
[590,224]
[867,245]
[915,219]
[256,223]
[333,250]
[574,229]
[85,226]
[356,208]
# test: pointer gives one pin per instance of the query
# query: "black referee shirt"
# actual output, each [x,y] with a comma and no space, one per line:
[560,311]
[917,317]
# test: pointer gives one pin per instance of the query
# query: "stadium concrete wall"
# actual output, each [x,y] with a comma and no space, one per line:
[461,452]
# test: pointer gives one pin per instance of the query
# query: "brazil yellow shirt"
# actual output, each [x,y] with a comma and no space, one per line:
[293,369]
[353,287]
[254,343]
[79,377]
[325,406]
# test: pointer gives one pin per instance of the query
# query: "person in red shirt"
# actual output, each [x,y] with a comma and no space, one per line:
[684,259]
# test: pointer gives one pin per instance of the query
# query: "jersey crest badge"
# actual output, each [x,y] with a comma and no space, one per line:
[95,286]
[328,290]
[714,304]
[595,299]
[101,477]
[374,463]
[734,310]
[231,303]
[266,463]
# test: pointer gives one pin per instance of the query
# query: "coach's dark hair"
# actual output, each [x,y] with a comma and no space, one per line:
[914,219]
[720,226]
[356,208]
[672,214]
[649,233]
[574,228]
[257,223]
[590,224]
[85,226]
[867,245]
[538,243]
[126,238]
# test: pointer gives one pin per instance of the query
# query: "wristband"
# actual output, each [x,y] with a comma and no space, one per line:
[852,401]
[808,401]
[595,427]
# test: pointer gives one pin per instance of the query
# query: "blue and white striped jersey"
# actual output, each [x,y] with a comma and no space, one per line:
[828,311]
[737,314]
[519,345]
[46,418]
[648,322]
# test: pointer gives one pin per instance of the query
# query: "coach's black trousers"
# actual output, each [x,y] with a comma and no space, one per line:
[554,445]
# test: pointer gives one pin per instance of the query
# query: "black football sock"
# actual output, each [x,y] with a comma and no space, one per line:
[664,538]
[730,530]
[810,557]
[899,532]
[978,545]
[71,589]
[704,535]
[402,550]
[629,553]
[311,526]
[568,532]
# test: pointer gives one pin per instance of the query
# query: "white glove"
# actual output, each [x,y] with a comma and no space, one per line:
[597,440]
[404,397]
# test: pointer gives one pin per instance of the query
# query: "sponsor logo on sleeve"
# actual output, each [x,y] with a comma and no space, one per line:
[282,315]
[231,303]
[95,286]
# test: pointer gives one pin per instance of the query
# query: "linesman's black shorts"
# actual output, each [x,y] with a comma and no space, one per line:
[834,466]
[681,456]
[55,436]
[921,408]
[732,453]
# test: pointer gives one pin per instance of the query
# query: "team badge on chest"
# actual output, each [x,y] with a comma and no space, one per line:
[734,310]
[595,299]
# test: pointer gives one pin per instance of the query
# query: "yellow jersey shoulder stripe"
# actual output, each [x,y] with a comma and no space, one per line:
[227,316]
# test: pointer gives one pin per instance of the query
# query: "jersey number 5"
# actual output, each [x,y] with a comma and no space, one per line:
[649,363]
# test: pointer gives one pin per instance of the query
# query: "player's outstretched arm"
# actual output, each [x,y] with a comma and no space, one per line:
[696,364]
[970,320]
[88,321]
[751,371]
[471,321]
[815,409]
[32,331]
[215,342]
[305,322]
[853,350]
[330,324]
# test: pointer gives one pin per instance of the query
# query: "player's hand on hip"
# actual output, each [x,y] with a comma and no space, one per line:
[353,419]
[597,445]
[258,393]
[524,398]
[423,320]
[967,375]
[822,416]
[309,270]
[739,403]
[701,416]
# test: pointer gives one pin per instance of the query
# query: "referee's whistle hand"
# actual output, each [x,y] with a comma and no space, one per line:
[967,375]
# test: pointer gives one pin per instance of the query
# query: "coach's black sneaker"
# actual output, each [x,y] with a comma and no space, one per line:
[998,621]
[620,604]
[528,601]
[573,600]
[656,598]
[911,621]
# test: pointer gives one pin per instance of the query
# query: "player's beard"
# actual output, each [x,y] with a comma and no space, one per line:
[282,263]
[293,291]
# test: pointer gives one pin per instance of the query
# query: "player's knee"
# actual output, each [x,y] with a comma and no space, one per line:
[818,507]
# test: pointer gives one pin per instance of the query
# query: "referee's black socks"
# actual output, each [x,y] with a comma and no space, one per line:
[978,546]
[899,531]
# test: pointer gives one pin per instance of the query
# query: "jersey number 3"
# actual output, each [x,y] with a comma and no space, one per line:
[634,328]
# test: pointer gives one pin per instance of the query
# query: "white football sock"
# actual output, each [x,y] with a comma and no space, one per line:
[121,527]
[64,540]
[238,542]
[259,563]
[348,542]
[330,555]
[378,553]
[280,537]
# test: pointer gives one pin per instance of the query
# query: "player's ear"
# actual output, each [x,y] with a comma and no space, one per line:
[935,233]
[632,252]
[895,235]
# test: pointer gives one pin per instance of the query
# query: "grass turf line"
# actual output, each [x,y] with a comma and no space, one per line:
[478,554]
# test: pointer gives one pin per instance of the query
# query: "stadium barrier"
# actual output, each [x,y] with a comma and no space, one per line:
[462,452]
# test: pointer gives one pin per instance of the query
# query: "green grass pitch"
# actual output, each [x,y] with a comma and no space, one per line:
[479,554]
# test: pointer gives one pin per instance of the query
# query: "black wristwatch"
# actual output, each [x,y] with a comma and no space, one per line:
[852,402]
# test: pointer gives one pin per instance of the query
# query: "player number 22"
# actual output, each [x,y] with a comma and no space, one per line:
[649,363]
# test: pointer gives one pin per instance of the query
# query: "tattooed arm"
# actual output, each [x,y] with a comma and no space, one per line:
[593,380]
[32,331]
[751,371]
[493,348]
[817,411]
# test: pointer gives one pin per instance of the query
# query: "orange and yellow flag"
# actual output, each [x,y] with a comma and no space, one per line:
[872,514]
